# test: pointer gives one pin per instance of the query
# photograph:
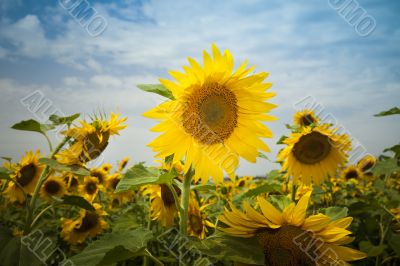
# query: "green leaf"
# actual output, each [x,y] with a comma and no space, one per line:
[139,175]
[157,89]
[6,158]
[15,253]
[205,188]
[386,167]
[395,149]
[335,213]
[32,125]
[370,249]
[133,241]
[66,120]
[280,201]
[224,247]
[78,201]
[281,140]
[274,174]
[265,188]
[394,242]
[74,169]
[4,173]
[392,111]
[262,155]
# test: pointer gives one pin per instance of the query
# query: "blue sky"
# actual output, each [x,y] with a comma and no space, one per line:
[306,46]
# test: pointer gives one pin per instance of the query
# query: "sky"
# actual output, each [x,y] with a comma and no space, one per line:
[315,51]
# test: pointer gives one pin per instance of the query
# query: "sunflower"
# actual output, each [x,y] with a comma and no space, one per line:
[117,198]
[243,181]
[100,174]
[366,163]
[53,187]
[351,173]
[90,188]
[291,238]
[90,139]
[123,164]
[215,117]
[71,181]
[26,173]
[106,167]
[163,207]
[89,224]
[305,118]
[314,154]
[198,221]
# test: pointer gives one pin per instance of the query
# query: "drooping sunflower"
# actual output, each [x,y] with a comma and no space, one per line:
[351,172]
[100,174]
[52,187]
[291,238]
[305,118]
[198,222]
[90,139]
[366,163]
[90,188]
[314,153]
[26,173]
[88,224]
[163,207]
[123,164]
[216,116]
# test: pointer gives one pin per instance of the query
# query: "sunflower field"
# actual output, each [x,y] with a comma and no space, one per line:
[318,208]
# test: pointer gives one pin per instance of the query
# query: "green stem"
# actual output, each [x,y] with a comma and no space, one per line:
[183,223]
[40,214]
[42,178]
[146,261]
[176,198]
[154,259]
[49,142]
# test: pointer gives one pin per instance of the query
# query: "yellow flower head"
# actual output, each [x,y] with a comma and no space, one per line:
[366,163]
[26,173]
[305,118]
[71,181]
[123,164]
[216,116]
[100,174]
[90,139]
[106,167]
[163,207]
[351,173]
[198,221]
[90,188]
[289,237]
[314,154]
[53,187]
[88,224]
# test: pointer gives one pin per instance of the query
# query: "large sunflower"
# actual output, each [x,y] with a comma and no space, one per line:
[53,187]
[314,154]
[90,139]
[163,207]
[305,118]
[26,173]
[291,238]
[215,117]
[89,224]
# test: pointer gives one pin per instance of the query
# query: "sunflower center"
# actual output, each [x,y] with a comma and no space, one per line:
[196,224]
[88,222]
[98,175]
[26,174]
[351,174]
[210,113]
[91,188]
[114,183]
[312,148]
[307,120]
[94,146]
[167,196]
[52,187]
[287,246]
